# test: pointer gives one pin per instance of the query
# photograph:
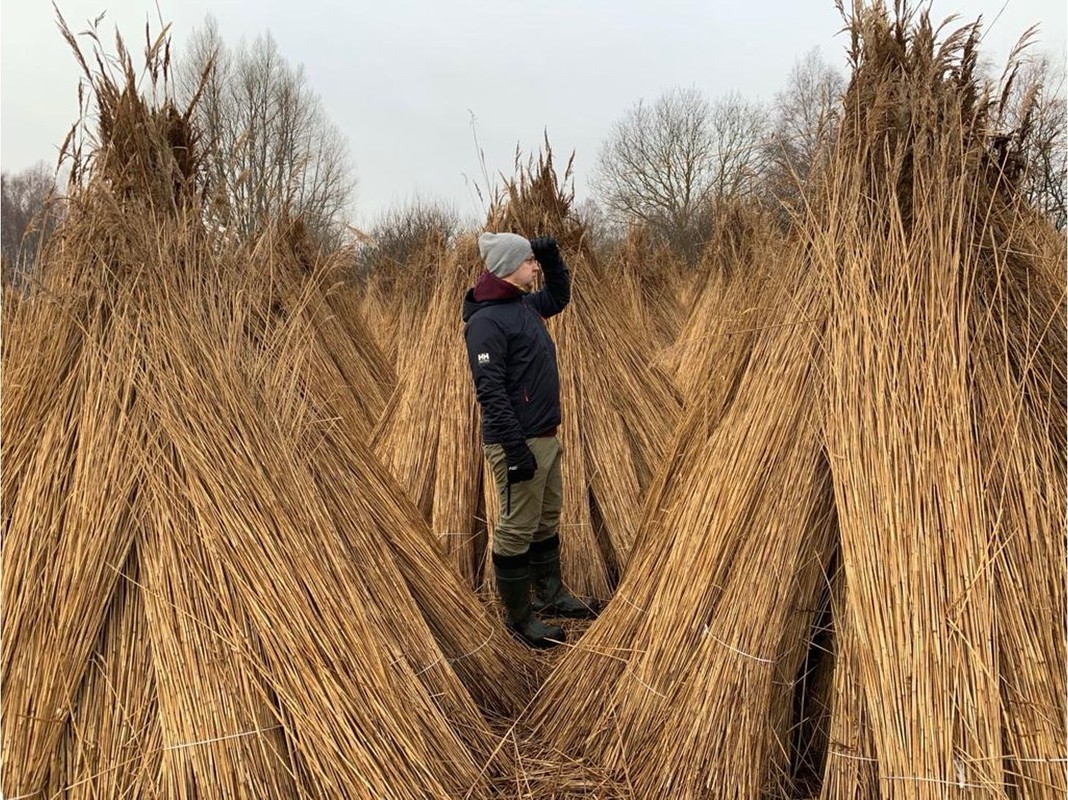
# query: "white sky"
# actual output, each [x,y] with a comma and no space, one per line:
[401,78]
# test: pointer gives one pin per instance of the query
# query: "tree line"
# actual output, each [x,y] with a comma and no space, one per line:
[665,164]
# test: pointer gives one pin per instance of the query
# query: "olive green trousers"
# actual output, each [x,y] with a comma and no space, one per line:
[529,511]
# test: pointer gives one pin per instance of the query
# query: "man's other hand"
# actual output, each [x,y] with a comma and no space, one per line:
[521,463]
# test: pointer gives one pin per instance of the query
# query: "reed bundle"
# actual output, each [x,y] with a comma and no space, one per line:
[938,394]
[850,769]
[932,415]
[458,515]
[371,370]
[693,624]
[209,584]
[728,311]
[429,435]
[394,298]
[343,641]
[70,437]
[656,280]
[347,344]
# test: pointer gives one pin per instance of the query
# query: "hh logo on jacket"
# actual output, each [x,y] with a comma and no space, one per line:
[483,358]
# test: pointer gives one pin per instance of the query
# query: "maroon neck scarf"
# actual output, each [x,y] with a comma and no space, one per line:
[490,287]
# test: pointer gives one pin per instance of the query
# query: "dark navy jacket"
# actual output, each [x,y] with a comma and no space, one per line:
[513,358]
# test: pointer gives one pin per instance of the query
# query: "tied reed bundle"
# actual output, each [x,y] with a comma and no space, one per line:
[394,297]
[629,682]
[336,674]
[203,586]
[728,312]
[940,395]
[429,435]
[930,420]
[656,280]
[72,432]
[350,373]
[723,359]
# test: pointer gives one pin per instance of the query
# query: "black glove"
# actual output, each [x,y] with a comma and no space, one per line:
[545,249]
[521,463]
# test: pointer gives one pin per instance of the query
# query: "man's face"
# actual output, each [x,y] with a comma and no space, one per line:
[525,276]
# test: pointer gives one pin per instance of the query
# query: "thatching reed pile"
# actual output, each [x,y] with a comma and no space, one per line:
[895,438]
[429,434]
[365,379]
[657,280]
[729,308]
[673,686]
[393,297]
[947,378]
[210,586]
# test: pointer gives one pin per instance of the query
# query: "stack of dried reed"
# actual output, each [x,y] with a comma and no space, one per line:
[349,371]
[393,298]
[428,435]
[332,631]
[745,247]
[938,393]
[366,500]
[945,421]
[207,582]
[658,282]
[678,687]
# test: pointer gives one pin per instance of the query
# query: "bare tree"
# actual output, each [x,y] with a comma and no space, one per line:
[666,164]
[27,217]
[272,149]
[601,230]
[805,118]
[739,129]
[1036,110]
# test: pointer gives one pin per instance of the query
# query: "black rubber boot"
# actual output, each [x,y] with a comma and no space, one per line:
[550,596]
[513,584]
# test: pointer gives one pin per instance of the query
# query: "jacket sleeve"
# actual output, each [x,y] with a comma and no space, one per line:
[554,296]
[487,353]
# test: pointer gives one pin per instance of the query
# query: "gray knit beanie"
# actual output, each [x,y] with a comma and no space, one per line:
[503,252]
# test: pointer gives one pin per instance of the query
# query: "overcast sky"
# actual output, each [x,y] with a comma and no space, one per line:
[402,78]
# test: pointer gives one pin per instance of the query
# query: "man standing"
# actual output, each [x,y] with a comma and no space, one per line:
[513,363]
